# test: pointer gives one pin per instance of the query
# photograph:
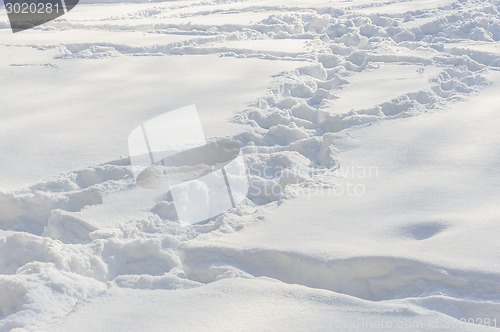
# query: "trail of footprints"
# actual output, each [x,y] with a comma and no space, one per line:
[291,129]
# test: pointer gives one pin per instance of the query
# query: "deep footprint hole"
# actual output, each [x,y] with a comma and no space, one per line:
[424,230]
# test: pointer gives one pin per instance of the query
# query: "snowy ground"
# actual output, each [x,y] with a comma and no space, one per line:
[369,129]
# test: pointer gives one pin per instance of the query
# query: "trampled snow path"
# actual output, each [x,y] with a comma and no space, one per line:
[90,236]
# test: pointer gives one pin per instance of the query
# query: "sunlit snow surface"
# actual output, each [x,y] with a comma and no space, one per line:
[369,129]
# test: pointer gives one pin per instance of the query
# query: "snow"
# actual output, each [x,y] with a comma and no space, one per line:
[277,47]
[368,130]
[403,6]
[380,85]
[110,112]
[416,196]
[235,304]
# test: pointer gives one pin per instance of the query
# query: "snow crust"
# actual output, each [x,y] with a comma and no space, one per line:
[369,130]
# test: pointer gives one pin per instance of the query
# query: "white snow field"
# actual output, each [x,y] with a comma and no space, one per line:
[369,130]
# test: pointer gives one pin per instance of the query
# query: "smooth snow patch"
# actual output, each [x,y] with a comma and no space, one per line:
[376,86]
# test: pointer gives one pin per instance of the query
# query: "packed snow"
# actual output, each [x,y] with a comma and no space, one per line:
[369,130]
